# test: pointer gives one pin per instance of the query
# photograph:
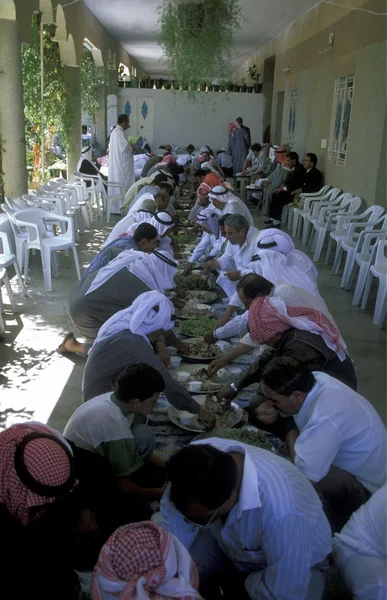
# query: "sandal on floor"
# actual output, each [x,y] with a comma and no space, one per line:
[61,349]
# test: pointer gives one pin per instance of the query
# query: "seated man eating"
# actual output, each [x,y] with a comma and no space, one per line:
[339,441]
[257,523]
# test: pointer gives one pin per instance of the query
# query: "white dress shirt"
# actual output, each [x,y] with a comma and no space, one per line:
[360,549]
[341,428]
[239,257]
[275,533]
[209,245]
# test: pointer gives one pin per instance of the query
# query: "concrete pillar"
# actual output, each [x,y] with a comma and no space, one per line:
[13,143]
[73,85]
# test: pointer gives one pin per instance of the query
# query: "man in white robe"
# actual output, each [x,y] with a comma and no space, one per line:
[121,163]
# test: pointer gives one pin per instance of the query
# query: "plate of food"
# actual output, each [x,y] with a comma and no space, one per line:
[192,282]
[226,416]
[247,435]
[202,296]
[194,309]
[200,351]
[197,327]
[199,373]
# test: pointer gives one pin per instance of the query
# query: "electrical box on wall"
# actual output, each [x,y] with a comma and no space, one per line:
[323,143]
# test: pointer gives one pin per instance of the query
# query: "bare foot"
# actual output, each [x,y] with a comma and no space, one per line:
[71,345]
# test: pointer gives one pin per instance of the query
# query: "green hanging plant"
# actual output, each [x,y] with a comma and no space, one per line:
[92,79]
[197,38]
[58,116]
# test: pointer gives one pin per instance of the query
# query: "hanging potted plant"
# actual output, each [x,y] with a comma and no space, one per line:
[255,76]
[193,47]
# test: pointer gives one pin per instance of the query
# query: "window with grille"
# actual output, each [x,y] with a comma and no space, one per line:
[292,110]
[341,119]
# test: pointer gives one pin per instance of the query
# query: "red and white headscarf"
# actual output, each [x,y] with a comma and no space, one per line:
[143,562]
[269,316]
[168,159]
[46,461]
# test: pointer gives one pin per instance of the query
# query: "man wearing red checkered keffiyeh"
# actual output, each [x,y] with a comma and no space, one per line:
[144,562]
[46,461]
[269,317]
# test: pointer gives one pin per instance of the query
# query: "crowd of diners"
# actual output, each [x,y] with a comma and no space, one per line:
[237,521]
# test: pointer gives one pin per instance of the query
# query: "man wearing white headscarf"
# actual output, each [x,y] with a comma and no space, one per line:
[228,203]
[121,163]
[137,217]
[99,295]
[211,241]
[87,166]
[164,223]
[279,241]
[239,251]
[129,337]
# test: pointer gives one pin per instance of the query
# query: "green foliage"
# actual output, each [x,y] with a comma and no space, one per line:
[92,79]
[197,37]
[58,117]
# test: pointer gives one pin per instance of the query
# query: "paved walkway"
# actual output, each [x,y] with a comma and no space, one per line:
[37,383]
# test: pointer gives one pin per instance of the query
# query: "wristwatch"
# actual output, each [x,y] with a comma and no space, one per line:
[234,387]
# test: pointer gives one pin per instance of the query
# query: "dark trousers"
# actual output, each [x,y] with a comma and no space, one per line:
[278,201]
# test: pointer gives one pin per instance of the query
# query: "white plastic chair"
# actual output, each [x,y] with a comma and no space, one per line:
[20,235]
[35,223]
[8,259]
[108,199]
[328,221]
[72,195]
[296,210]
[312,208]
[4,280]
[314,216]
[92,190]
[364,260]
[347,237]
[367,220]
[378,270]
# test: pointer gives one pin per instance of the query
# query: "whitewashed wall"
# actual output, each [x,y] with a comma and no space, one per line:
[178,121]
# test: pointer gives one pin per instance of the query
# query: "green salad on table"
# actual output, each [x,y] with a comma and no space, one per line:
[198,327]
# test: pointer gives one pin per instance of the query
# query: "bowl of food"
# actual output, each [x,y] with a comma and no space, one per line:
[202,296]
[199,351]
[194,309]
[199,372]
[226,415]
[197,327]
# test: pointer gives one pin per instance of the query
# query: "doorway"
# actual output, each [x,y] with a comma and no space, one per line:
[279,117]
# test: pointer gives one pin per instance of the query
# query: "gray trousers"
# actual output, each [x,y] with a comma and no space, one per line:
[144,440]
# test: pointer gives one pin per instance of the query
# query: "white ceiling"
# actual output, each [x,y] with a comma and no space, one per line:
[134,24]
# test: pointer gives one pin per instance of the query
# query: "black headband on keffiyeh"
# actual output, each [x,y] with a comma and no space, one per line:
[144,210]
[225,191]
[162,221]
[267,246]
[165,259]
[29,480]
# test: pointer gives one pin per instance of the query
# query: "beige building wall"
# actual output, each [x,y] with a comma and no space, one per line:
[359,48]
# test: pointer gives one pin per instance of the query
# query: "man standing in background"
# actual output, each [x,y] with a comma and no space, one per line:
[121,163]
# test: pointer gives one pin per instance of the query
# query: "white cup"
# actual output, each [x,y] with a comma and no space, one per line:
[195,386]
[175,361]
[235,371]
[183,376]
[186,417]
